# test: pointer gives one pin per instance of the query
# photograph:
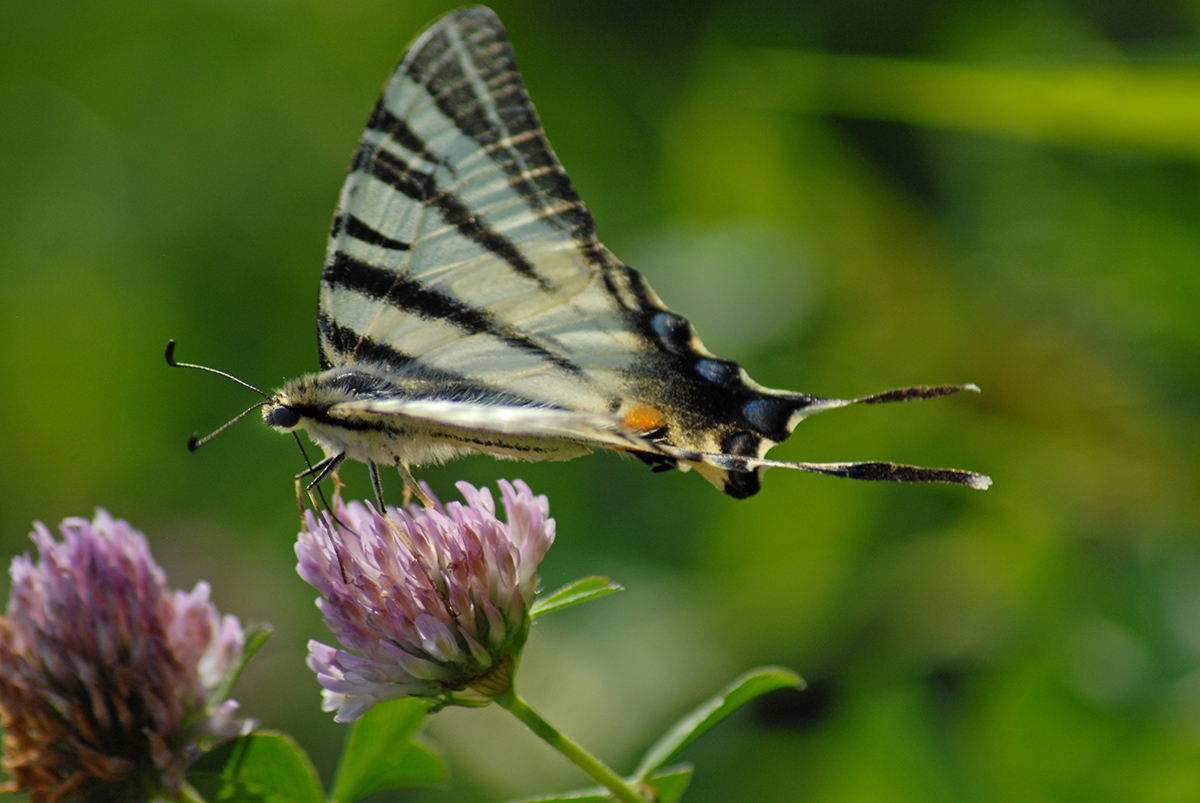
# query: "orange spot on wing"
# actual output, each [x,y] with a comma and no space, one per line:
[643,418]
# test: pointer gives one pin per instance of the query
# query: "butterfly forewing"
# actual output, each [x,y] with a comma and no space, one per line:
[459,239]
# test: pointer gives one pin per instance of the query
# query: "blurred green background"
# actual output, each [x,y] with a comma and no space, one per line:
[843,196]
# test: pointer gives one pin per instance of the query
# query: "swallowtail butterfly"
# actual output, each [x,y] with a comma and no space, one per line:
[467,306]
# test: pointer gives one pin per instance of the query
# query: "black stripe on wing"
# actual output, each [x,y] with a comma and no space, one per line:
[475,83]
[422,187]
[361,231]
[419,378]
[384,122]
[409,295]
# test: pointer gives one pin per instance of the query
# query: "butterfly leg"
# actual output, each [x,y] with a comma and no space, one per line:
[411,486]
[377,485]
[321,470]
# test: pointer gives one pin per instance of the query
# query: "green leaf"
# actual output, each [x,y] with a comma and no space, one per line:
[381,752]
[263,767]
[584,590]
[256,636]
[753,684]
[670,784]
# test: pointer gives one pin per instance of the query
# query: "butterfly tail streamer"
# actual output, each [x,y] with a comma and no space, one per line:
[915,393]
[874,471]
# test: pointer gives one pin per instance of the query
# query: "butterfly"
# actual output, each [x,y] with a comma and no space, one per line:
[467,306]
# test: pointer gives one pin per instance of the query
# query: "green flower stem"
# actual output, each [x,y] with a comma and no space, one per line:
[585,760]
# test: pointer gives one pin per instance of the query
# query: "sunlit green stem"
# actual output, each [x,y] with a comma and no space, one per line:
[188,794]
[585,760]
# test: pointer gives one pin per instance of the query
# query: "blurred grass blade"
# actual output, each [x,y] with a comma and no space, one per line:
[262,767]
[754,683]
[1150,107]
[381,753]
[584,590]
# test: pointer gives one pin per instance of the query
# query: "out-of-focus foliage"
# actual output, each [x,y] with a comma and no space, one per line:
[842,196]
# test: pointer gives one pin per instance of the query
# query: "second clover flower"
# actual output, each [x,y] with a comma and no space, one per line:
[447,623]
[111,683]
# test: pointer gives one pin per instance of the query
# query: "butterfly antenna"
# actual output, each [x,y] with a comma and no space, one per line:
[195,443]
[171,362]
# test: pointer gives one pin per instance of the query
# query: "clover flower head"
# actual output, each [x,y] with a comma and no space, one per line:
[111,684]
[445,620]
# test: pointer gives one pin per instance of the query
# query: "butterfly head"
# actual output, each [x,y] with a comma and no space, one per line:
[280,416]
[307,401]
[300,404]
[304,405]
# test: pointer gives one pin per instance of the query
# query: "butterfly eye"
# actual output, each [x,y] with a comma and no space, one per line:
[283,417]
